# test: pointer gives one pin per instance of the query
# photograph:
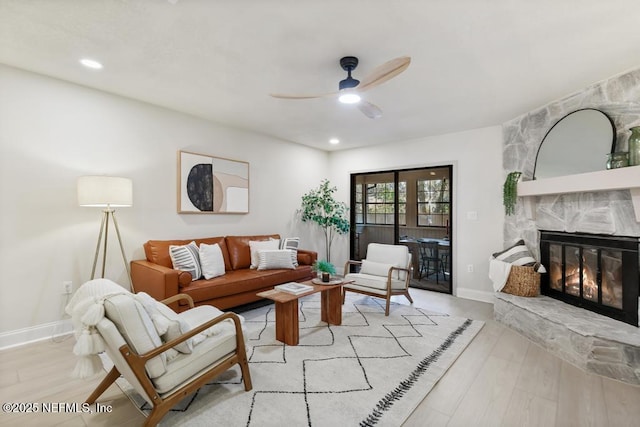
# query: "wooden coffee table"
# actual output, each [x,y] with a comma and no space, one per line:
[287,328]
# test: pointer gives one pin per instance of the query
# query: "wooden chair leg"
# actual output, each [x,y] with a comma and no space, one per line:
[156,415]
[246,375]
[408,296]
[104,384]
[386,310]
[344,295]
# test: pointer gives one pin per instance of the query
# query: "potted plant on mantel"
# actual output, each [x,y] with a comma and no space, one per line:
[319,206]
[324,269]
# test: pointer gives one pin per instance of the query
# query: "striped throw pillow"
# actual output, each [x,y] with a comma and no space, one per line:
[291,243]
[517,254]
[186,258]
[275,259]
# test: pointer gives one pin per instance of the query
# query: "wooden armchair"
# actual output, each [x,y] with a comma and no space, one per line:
[385,272]
[143,360]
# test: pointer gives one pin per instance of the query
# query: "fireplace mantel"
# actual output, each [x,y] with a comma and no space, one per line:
[606,180]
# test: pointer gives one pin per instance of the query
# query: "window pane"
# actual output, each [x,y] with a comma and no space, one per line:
[433,202]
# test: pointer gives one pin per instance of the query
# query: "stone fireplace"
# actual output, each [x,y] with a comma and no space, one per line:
[596,340]
[598,273]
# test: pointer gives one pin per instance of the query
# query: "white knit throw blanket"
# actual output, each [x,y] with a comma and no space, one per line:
[86,309]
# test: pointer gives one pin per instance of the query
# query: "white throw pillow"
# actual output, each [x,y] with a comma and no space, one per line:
[518,254]
[291,243]
[275,259]
[196,316]
[258,245]
[170,325]
[166,321]
[186,258]
[211,260]
[375,268]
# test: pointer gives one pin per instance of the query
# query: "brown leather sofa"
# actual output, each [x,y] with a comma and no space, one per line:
[237,286]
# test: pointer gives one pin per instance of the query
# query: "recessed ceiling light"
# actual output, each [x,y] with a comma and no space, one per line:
[432,173]
[334,141]
[90,63]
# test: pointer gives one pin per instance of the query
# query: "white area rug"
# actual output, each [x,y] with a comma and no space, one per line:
[371,370]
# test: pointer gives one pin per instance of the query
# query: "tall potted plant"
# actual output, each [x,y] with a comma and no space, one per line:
[320,207]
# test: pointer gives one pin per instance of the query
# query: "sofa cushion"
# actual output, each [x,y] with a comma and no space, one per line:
[256,246]
[211,260]
[157,251]
[292,244]
[242,281]
[239,251]
[275,259]
[186,258]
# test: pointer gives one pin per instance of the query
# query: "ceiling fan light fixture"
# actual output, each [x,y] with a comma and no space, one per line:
[349,98]
[91,63]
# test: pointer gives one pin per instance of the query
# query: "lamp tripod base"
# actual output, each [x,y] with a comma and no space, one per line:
[107,215]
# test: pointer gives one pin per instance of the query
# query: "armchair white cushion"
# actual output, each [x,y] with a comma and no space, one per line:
[385,272]
[136,327]
[137,352]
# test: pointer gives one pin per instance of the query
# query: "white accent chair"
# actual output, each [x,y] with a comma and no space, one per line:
[164,378]
[385,272]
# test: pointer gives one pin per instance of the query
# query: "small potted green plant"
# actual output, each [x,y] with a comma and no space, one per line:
[324,269]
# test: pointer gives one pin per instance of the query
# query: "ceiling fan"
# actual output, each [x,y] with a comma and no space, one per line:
[349,89]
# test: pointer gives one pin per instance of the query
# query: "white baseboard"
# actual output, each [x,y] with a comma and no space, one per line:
[35,333]
[476,295]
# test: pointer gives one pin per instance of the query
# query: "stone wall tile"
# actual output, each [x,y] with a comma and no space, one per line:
[618,97]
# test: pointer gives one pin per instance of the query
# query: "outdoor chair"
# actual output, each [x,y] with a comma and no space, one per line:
[430,261]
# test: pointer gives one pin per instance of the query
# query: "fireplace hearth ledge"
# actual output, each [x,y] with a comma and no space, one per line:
[594,343]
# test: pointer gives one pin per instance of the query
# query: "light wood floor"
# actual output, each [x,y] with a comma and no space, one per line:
[501,379]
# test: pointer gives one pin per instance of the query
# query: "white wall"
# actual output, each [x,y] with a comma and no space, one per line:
[52,132]
[477,159]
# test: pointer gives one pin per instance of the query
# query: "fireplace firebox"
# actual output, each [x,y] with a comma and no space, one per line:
[598,273]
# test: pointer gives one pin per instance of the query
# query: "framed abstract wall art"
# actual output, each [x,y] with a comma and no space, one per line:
[208,184]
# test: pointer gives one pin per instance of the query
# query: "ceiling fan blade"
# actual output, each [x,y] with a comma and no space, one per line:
[370,110]
[285,96]
[384,72]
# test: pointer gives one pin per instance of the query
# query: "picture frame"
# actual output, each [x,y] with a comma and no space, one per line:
[212,185]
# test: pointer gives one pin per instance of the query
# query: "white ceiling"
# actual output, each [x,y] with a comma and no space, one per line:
[475,63]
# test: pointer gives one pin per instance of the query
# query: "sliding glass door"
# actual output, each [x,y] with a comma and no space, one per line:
[410,207]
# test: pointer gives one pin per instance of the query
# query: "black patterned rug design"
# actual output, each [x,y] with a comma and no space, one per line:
[370,371]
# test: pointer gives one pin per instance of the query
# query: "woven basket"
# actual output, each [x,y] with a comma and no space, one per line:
[523,282]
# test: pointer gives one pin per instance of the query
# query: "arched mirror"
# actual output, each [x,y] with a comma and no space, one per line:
[577,143]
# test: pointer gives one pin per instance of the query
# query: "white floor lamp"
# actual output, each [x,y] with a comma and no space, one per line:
[106,192]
